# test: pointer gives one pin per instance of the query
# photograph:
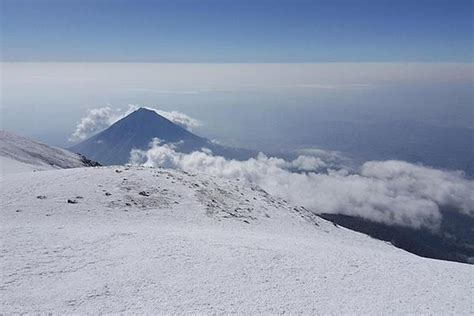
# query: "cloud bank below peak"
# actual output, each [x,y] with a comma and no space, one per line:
[391,192]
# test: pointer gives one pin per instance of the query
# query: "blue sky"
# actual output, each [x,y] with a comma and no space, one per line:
[237,31]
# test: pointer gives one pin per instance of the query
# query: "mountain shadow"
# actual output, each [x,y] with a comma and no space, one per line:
[453,241]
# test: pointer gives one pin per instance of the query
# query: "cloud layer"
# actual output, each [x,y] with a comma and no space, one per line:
[97,120]
[392,192]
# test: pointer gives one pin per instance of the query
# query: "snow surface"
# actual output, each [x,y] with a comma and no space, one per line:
[142,240]
[20,154]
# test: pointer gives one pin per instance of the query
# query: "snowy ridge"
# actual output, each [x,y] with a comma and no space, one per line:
[20,154]
[137,240]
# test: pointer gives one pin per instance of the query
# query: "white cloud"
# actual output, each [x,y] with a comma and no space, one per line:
[180,118]
[332,159]
[97,120]
[305,163]
[393,192]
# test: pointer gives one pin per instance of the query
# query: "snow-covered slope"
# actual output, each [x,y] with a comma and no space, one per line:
[20,154]
[97,240]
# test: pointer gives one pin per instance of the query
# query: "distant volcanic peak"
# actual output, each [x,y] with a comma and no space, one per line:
[145,115]
[137,130]
[146,122]
[143,109]
[143,112]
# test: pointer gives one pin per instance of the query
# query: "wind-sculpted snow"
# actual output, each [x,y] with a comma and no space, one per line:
[20,154]
[150,240]
[391,192]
